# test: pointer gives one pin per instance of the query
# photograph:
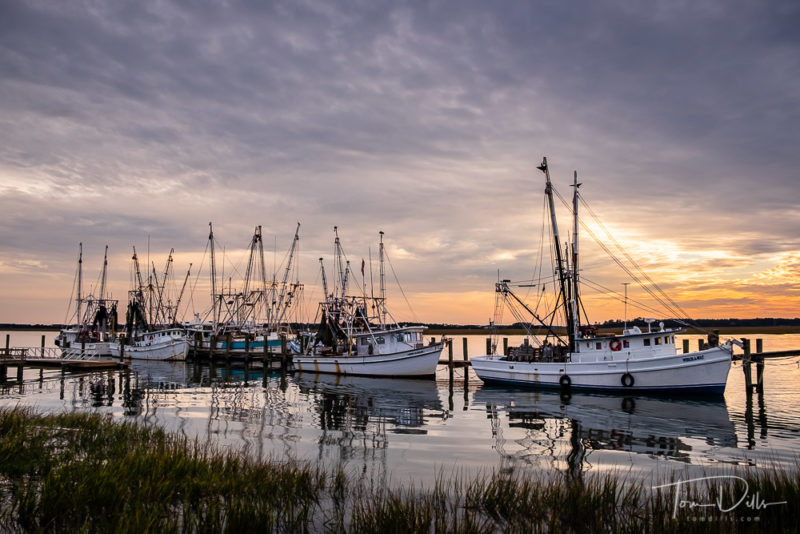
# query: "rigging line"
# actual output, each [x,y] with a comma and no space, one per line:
[413,314]
[69,303]
[196,278]
[635,264]
[624,267]
[618,296]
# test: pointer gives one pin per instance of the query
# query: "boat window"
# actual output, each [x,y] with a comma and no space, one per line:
[400,337]
[658,341]
[646,342]
[666,339]
[626,343]
[380,340]
[588,345]
[598,345]
[364,341]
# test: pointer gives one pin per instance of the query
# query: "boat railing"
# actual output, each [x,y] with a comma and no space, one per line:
[531,353]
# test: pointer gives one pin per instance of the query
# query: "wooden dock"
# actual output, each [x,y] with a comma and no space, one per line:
[47,357]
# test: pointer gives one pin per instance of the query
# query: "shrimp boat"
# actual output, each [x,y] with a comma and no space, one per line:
[253,319]
[152,330]
[580,359]
[358,336]
[95,320]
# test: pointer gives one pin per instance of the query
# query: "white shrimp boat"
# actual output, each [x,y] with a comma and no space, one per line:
[152,330]
[391,352]
[358,336]
[95,320]
[167,344]
[633,361]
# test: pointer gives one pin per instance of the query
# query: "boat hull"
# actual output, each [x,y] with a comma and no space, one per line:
[417,362]
[171,349]
[703,372]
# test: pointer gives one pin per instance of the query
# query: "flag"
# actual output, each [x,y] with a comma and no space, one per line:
[362,267]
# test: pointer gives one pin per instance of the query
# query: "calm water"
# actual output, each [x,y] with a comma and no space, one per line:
[399,430]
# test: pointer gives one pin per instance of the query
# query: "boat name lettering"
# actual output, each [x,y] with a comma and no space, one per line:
[693,358]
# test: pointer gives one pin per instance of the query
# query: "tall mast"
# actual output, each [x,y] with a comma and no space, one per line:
[576,317]
[324,281]
[180,297]
[162,312]
[103,277]
[344,280]
[79,299]
[213,277]
[383,282]
[280,310]
[263,275]
[338,280]
[562,275]
[140,286]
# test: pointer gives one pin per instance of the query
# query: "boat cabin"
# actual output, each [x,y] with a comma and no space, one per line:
[632,344]
[388,341]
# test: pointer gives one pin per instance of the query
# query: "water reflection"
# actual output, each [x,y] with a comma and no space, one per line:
[404,428]
[539,426]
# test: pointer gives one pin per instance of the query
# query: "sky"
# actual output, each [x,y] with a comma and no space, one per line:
[136,123]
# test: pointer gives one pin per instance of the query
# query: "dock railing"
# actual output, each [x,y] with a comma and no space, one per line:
[26,353]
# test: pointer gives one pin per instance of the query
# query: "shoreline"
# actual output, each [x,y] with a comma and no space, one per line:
[723,330]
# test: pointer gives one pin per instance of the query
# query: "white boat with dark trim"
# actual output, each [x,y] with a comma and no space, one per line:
[636,360]
[358,336]
[151,325]
[95,319]
[396,351]
[162,344]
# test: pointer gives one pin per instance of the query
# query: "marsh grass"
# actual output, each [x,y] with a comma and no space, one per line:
[85,473]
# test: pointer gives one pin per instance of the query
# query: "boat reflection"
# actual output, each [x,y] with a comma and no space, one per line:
[344,401]
[527,425]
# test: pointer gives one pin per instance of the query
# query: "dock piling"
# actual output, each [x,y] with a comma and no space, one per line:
[464,344]
[748,372]
[450,354]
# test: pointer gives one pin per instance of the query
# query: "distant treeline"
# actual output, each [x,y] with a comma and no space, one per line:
[640,322]
[614,323]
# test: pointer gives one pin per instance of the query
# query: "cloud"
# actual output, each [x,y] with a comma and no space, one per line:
[426,120]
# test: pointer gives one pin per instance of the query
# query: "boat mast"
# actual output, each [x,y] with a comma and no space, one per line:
[180,296]
[324,280]
[383,282]
[562,275]
[281,308]
[339,279]
[79,299]
[264,290]
[213,278]
[576,317]
[103,277]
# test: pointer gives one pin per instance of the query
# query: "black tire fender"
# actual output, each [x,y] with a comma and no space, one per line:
[627,380]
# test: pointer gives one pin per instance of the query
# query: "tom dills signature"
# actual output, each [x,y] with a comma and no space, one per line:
[723,503]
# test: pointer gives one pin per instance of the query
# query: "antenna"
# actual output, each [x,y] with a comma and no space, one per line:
[625,324]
